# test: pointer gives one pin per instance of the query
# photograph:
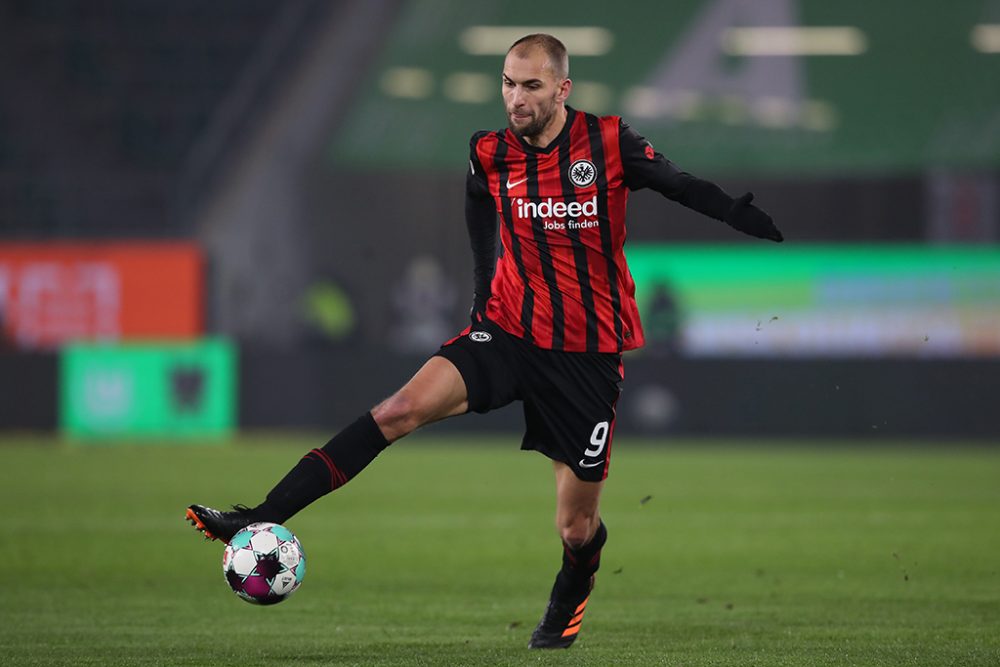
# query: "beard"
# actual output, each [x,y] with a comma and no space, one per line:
[536,125]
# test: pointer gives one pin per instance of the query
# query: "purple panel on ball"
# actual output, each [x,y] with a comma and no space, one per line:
[235,581]
[268,566]
[257,587]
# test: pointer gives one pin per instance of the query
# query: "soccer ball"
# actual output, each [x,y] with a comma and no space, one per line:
[264,563]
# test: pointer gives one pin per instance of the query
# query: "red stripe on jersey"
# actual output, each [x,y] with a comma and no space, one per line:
[588,254]
[611,303]
[617,204]
[543,173]
[612,155]
[506,287]
[485,150]
[580,321]
[535,255]
[522,246]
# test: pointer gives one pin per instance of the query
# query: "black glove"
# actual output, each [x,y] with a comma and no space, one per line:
[749,219]
[478,311]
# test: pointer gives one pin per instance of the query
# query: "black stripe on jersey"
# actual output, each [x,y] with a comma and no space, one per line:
[545,257]
[528,299]
[579,255]
[597,152]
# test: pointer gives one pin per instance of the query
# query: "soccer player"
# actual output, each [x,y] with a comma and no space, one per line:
[551,314]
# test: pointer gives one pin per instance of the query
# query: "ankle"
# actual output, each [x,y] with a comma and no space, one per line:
[267,512]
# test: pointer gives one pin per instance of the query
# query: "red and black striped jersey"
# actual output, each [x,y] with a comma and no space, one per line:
[561,280]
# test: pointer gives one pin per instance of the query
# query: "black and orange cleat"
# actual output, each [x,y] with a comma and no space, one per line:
[218,525]
[561,622]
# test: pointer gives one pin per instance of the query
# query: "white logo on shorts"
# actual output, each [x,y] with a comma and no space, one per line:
[584,464]
[480,337]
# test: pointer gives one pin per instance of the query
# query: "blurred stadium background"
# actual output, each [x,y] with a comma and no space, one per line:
[222,216]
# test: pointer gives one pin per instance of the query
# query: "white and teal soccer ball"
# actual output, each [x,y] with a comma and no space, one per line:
[264,563]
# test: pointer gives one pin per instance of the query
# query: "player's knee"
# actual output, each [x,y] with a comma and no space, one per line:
[577,530]
[399,415]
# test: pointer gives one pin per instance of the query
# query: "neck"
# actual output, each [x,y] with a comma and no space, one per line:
[551,131]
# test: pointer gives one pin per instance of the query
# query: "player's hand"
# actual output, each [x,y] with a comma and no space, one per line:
[478,311]
[751,220]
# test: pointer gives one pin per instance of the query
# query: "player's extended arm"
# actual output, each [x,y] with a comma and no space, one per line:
[481,219]
[645,168]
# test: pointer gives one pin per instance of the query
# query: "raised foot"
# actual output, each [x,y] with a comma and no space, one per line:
[216,525]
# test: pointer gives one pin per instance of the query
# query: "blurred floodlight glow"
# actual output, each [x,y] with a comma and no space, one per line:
[408,82]
[775,112]
[819,115]
[647,102]
[495,40]
[985,37]
[787,41]
[730,109]
[642,101]
[472,87]
[591,95]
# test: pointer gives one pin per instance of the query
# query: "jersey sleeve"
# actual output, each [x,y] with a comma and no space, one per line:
[480,220]
[476,185]
[644,167]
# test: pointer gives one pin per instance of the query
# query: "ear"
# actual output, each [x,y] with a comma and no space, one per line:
[565,88]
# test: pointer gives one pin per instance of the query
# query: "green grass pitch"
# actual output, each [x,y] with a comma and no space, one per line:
[443,551]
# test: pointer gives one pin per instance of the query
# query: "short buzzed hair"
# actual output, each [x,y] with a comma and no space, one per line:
[553,48]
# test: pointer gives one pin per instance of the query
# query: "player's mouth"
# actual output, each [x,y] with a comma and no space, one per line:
[520,117]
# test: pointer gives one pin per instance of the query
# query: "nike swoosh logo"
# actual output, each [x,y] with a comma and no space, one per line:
[584,464]
[515,183]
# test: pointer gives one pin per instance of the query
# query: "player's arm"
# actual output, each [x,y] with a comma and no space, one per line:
[481,220]
[645,168]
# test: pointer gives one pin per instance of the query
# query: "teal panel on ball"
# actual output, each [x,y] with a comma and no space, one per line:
[300,570]
[282,533]
[241,540]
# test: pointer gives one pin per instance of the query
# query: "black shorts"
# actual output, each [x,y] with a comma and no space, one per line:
[569,397]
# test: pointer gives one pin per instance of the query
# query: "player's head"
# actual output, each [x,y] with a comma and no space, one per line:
[535,83]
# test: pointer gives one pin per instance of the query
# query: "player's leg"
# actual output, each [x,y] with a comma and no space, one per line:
[436,391]
[578,517]
[583,535]
[570,417]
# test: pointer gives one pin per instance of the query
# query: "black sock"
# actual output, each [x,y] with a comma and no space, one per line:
[580,564]
[321,471]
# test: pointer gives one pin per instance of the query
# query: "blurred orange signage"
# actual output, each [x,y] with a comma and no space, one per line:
[51,293]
